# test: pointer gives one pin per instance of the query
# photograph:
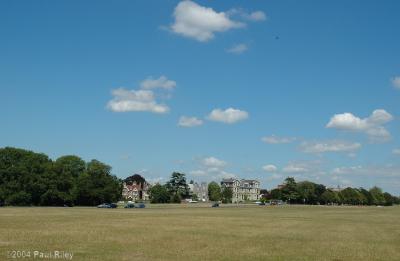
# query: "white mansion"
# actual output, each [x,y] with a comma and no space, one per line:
[243,190]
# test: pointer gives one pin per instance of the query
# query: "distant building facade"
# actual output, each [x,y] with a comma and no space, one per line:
[201,190]
[135,192]
[242,190]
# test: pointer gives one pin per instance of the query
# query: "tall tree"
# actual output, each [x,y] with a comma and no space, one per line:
[177,185]
[159,194]
[289,190]
[214,191]
[226,195]
[377,196]
[97,185]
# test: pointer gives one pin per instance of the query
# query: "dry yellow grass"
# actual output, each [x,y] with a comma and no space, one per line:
[198,232]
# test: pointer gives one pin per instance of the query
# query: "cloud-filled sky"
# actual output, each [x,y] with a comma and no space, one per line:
[214,89]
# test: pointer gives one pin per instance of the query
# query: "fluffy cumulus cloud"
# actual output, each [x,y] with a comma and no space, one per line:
[189,122]
[228,116]
[396,82]
[199,22]
[130,100]
[212,162]
[329,146]
[162,83]
[371,125]
[270,168]
[277,140]
[237,48]
[141,100]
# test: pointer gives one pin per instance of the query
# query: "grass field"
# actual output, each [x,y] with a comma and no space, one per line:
[198,232]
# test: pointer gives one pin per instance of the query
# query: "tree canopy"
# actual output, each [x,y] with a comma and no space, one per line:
[29,178]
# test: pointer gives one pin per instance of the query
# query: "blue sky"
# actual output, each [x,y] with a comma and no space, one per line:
[269,89]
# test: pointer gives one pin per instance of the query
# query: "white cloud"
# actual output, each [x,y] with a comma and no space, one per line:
[130,100]
[213,162]
[199,22]
[189,122]
[371,125]
[329,146]
[277,140]
[396,151]
[162,83]
[238,49]
[229,115]
[396,82]
[385,171]
[295,168]
[270,168]
[255,16]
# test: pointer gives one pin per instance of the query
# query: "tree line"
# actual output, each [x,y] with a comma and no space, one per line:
[33,179]
[306,192]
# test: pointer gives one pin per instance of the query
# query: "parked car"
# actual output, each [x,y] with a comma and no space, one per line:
[104,205]
[215,205]
[277,202]
[140,205]
[129,205]
[107,205]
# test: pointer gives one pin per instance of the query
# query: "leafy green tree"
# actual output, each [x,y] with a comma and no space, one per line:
[276,194]
[214,191]
[306,192]
[289,190]
[66,171]
[226,195]
[329,197]
[318,190]
[176,198]
[177,185]
[367,195]
[20,198]
[377,196]
[388,199]
[24,176]
[159,194]
[351,196]
[97,185]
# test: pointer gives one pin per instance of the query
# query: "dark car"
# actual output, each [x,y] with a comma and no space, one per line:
[1,204]
[130,205]
[104,205]
[140,205]
[113,205]
[215,205]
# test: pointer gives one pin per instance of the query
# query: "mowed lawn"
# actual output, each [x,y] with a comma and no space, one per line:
[198,232]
